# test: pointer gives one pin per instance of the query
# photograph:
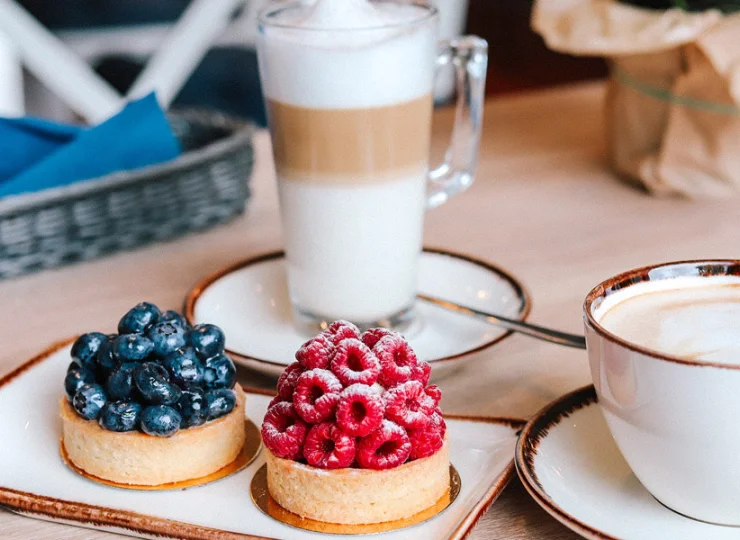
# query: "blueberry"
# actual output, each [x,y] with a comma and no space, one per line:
[152,381]
[89,400]
[175,318]
[85,349]
[220,372]
[167,337]
[207,340]
[77,376]
[132,347]
[184,367]
[120,383]
[193,407]
[106,357]
[160,420]
[220,402]
[120,416]
[139,318]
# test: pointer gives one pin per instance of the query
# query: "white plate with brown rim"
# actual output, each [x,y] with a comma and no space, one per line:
[35,482]
[570,464]
[249,301]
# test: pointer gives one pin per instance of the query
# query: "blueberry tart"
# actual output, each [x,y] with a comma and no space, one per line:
[155,404]
[355,434]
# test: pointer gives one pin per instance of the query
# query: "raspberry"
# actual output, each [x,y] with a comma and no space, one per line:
[274,401]
[339,330]
[316,395]
[427,440]
[315,353]
[385,448]
[397,360]
[353,363]
[408,405]
[438,420]
[372,336]
[328,447]
[287,380]
[360,410]
[283,432]
[435,393]
[422,372]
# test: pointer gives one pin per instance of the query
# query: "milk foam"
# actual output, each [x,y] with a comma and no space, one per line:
[689,317]
[335,14]
[340,54]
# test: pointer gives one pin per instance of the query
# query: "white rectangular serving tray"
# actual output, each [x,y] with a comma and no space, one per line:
[35,482]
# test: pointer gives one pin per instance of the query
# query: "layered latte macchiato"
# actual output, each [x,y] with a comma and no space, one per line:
[349,92]
[348,86]
[693,318]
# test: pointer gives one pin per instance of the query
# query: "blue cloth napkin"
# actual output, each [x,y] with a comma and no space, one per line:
[25,141]
[38,155]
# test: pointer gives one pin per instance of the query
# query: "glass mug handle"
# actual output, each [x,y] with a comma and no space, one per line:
[469,57]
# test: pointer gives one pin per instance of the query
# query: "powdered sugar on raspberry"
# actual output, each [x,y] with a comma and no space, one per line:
[425,441]
[353,362]
[423,372]
[339,330]
[315,353]
[316,395]
[283,432]
[287,380]
[328,447]
[372,336]
[408,405]
[434,393]
[398,361]
[385,448]
[360,410]
[274,401]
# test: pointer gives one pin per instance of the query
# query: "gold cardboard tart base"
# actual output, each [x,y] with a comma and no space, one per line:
[267,504]
[249,452]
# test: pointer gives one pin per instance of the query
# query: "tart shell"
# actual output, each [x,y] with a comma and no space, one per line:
[358,496]
[139,459]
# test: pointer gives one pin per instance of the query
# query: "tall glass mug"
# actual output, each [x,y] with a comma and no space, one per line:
[349,86]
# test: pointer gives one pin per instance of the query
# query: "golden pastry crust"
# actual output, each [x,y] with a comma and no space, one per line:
[139,459]
[358,496]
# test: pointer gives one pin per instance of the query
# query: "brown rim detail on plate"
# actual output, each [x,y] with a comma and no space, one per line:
[528,445]
[657,272]
[86,515]
[521,292]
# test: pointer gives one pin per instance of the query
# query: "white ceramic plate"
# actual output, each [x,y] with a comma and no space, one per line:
[34,481]
[249,301]
[570,464]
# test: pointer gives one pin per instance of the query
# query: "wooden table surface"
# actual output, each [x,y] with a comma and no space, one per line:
[544,206]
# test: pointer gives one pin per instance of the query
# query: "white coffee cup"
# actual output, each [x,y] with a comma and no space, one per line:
[676,419]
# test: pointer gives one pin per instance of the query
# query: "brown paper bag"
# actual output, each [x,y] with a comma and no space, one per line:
[673,99]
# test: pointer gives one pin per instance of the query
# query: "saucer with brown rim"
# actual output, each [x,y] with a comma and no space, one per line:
[571,466]
[249,301]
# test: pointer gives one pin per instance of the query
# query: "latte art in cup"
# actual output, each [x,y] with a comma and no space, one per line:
[348,86]
[694,318]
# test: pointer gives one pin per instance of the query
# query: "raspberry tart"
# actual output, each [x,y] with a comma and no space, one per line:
[355,434]
[155,404]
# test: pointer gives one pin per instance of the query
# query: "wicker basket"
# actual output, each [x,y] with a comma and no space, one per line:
[206,185]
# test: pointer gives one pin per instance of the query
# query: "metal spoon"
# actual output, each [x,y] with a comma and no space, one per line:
[532,330]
